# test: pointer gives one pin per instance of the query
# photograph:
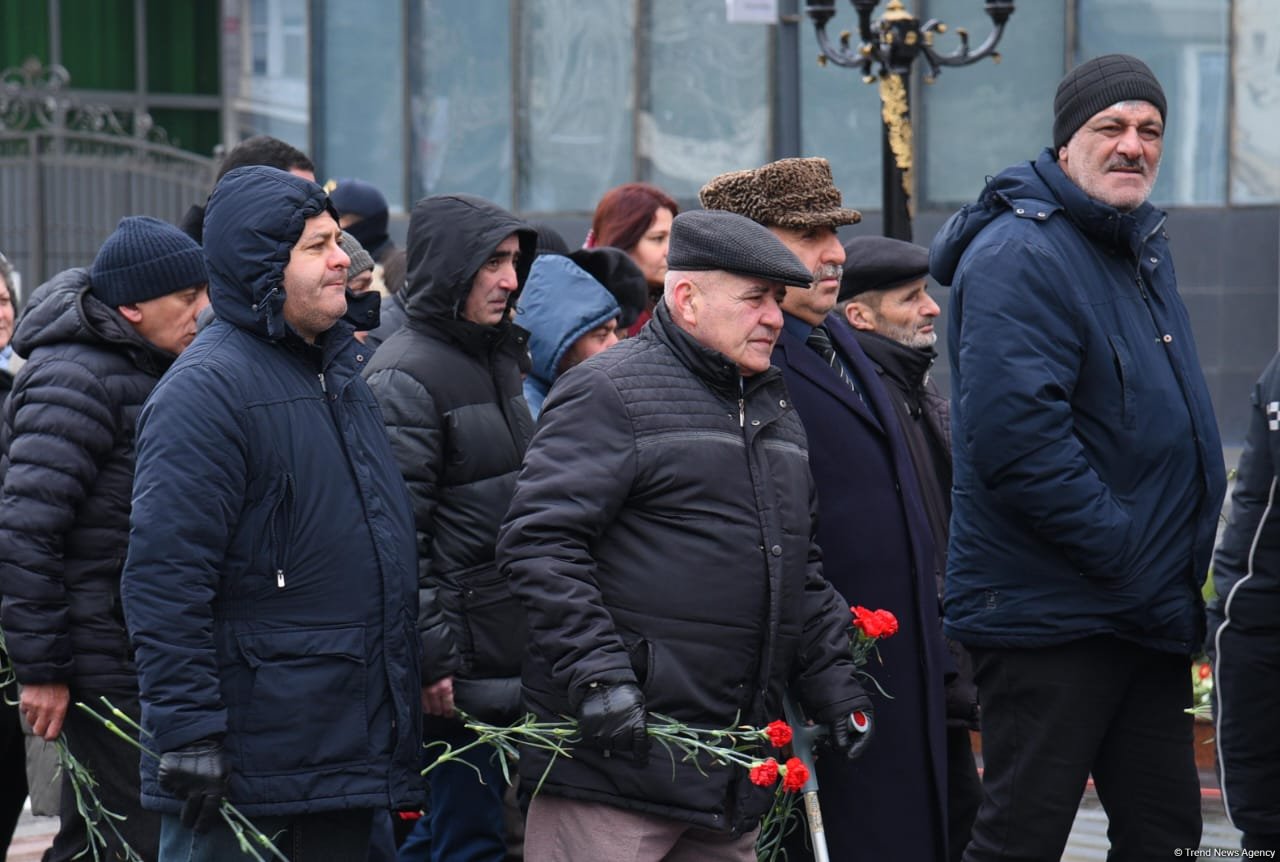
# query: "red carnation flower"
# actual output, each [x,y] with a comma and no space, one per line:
[1205,670]
[888,623]
[779,733]
[765,774]
[795,776]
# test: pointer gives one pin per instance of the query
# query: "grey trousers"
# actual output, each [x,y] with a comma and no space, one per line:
[568,830]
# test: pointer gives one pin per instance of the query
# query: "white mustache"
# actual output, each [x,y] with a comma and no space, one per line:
[827,270]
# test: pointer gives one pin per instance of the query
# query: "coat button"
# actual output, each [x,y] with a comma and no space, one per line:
[1020,211]
[782,403]
[1167,339]
[755,421]
[776,550]
[359,357]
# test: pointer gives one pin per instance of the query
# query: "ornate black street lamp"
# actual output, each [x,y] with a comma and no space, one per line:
[885,52]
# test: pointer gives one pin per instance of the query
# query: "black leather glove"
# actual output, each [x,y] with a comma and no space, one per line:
[850,734]
[611,718]
[197,774]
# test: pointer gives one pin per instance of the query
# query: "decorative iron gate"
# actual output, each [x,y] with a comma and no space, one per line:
[69,172]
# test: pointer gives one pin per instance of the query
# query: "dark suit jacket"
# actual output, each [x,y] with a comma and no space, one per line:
[878,552]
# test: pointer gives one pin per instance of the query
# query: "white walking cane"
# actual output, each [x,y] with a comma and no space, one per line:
[804,738]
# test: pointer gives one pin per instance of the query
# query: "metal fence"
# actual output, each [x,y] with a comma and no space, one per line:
[70,171]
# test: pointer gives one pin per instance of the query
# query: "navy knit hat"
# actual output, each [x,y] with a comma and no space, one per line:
[145,258]
[1100,83]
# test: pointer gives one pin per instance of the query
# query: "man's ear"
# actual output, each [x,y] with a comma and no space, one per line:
[860,316]
[685,303]
[131,313]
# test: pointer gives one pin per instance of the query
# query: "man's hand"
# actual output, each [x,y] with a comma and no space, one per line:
[197,774]
[437,698]
[612,718]
[45,708]
[851,734]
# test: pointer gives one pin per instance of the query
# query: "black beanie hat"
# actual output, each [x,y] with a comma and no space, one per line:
[145,258]
[1100,83]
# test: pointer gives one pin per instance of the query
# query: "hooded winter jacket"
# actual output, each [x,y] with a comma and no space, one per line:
[67,460]
[1087,465]
[451,395]
[662,535]
[560,304]
[270,586]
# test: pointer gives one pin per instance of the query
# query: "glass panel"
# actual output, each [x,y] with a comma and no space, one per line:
[840,118]
[706,108]
[460,78]
[1188,54]
[1255,145]
[271,96]
[24,32]
[1004,111]
[182,47]
[97,44]
[579,64]
[362,103]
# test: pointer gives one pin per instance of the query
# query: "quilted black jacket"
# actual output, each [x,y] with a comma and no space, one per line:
[67,461]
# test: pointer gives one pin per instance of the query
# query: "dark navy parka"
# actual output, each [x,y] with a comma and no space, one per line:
[1088,467]
[270,587]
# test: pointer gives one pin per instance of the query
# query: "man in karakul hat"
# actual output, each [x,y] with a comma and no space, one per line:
[1088,481]
[661,540]
[877,545]
[97,341]
[884,297]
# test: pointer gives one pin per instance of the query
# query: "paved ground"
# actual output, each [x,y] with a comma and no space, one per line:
[1088,837]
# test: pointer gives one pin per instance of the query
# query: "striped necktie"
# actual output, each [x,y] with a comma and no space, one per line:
[820,341]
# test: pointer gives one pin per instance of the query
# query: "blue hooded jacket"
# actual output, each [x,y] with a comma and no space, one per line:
[1088,468]
[270,587]
[560,303]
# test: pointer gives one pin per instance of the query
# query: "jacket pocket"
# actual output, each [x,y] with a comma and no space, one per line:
[327,724]
[1124,370]
[487,619]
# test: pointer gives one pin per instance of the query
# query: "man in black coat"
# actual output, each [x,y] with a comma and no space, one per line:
[96,341]
[884,296]
[661,538]
[449,386]
[872,527]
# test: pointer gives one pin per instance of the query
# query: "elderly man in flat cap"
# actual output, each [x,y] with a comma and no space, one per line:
[884,296]
[661,539]
[1088,481]
[872,526]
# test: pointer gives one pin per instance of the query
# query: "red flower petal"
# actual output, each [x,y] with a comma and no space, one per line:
[779,733]
[796,775]
[765,774]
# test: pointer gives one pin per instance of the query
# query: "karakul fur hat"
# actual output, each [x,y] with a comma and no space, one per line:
[791,193]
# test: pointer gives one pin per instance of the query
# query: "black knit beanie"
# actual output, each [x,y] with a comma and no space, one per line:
[145,258]
[1100,83]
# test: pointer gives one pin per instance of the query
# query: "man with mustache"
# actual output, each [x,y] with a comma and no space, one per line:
[876,543]
[1088,478]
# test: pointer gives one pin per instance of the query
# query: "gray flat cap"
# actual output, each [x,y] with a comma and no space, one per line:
[880,263]
[716,239]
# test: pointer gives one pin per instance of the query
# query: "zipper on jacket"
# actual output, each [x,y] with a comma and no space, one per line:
[742,413]
[323,387]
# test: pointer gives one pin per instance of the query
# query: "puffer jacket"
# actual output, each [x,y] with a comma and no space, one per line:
[67,460]
[662,535]
[561,303]
[270,586]
[451,394]
[1088,467]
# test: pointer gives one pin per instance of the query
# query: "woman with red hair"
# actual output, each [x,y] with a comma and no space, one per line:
[636,217]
